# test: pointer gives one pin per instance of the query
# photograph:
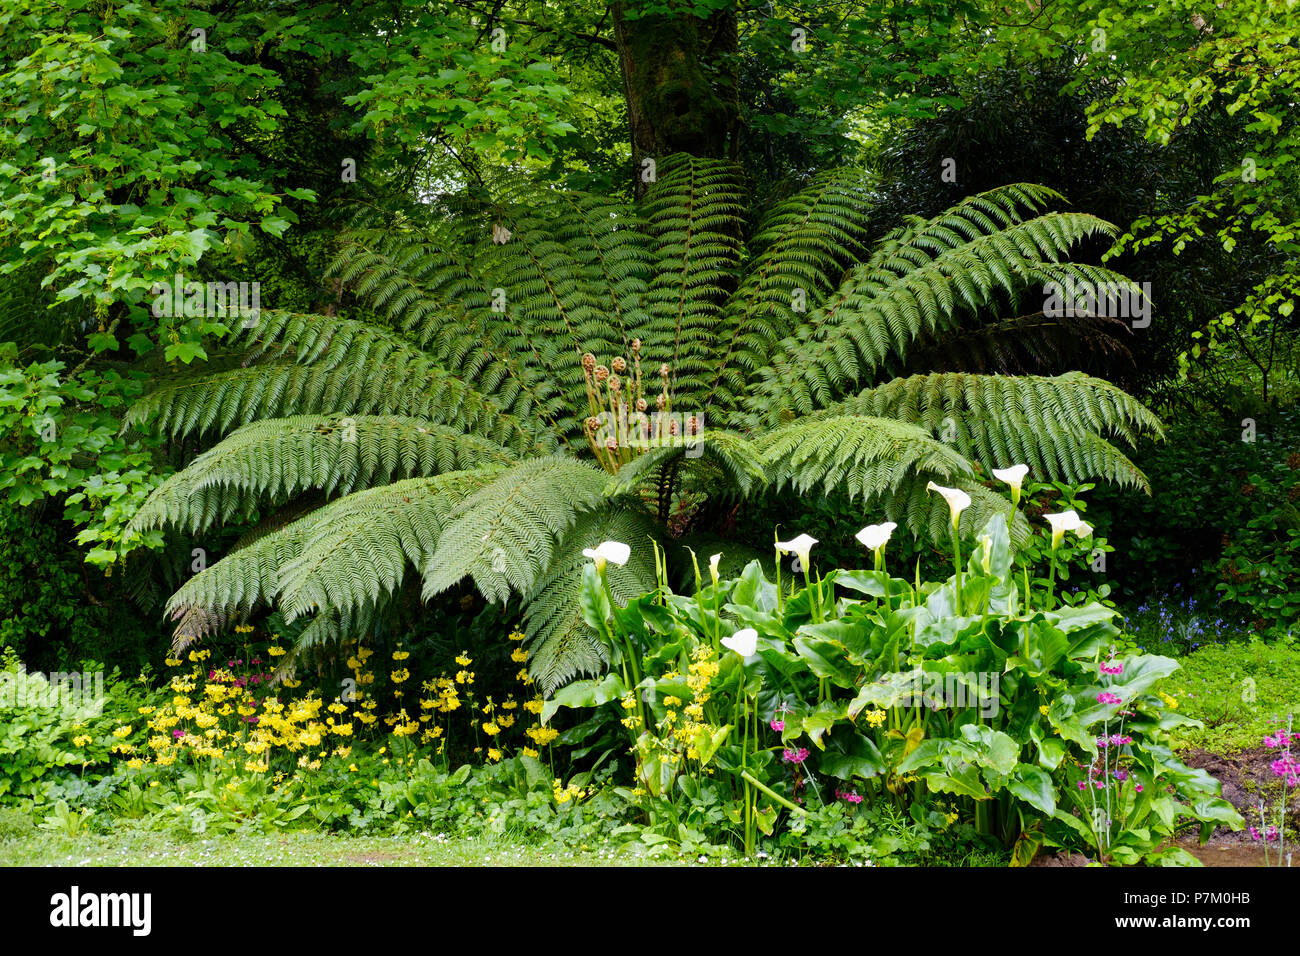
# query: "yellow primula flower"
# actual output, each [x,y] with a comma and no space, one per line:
[542,735]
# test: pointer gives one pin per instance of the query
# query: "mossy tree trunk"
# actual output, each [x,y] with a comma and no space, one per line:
[679,78]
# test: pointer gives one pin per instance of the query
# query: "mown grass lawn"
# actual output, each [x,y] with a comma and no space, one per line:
[145,848]
[1241,692]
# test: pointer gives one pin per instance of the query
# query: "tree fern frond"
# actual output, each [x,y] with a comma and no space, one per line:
[360,547]
[916,285]
[1058,426]
[276,458]
[799,255]
[313,365]
[336,556]
[867,457]
[506,534]
[736,457]
[693,213]
[560,643]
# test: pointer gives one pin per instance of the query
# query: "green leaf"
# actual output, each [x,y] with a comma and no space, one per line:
[584,693]
[852,755]
[1034,786]
[967,783]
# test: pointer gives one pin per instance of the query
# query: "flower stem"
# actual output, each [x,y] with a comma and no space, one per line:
[773,794]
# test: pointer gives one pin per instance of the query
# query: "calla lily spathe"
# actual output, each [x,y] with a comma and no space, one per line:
[958,500]
[744,642]
[874,536]
[801,546]
[615,551]
[1013,476]
[1061,523]
[714,561]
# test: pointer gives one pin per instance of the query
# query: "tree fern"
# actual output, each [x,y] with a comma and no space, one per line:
[455,426]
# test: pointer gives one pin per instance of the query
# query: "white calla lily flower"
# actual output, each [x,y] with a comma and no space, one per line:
[800,546]
[874,536]
[744,642]
[714,561]
[1061,523]
[1084,530]
[958,500]
[615,551]
[1013,476]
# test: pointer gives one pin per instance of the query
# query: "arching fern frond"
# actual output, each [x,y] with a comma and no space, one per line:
[1058,426]
[737,459]
[918,285]
[336,556]
[800,253]
[279,457]
[506,534]
[866,457]
[560,643]
[360,547]
[313,365]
